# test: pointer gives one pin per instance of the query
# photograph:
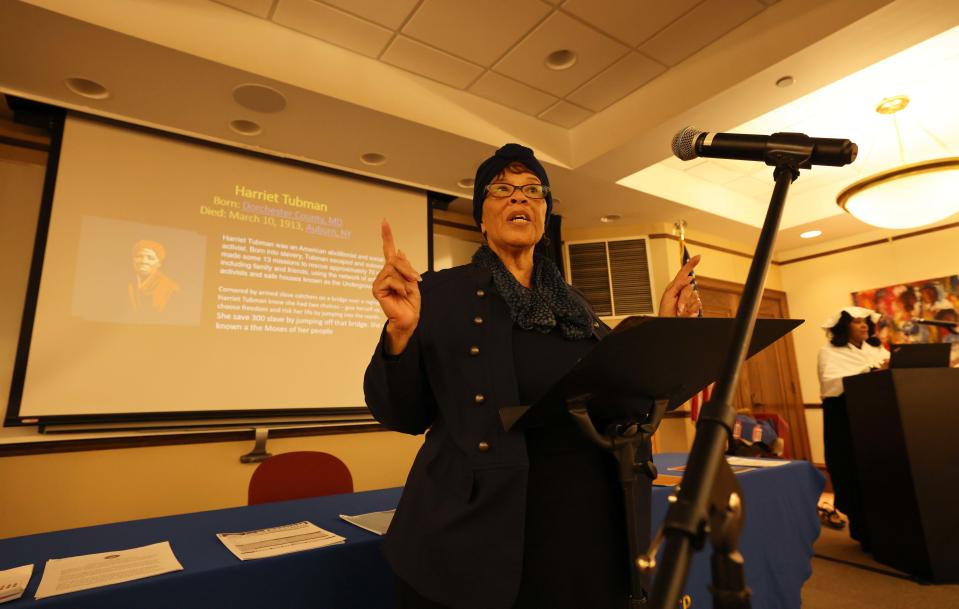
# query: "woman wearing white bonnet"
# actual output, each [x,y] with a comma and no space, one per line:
[853,348]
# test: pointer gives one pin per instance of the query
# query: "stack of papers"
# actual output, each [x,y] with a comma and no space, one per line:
[13,582]
[62,575]
[755,462]
[278,540]
[736,469]
[374,522]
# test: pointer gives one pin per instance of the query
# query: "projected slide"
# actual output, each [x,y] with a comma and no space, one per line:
[179,277]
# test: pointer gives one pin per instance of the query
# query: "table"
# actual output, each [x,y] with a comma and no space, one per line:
[781,525]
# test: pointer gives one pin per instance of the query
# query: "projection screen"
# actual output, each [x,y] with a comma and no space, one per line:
[181,277]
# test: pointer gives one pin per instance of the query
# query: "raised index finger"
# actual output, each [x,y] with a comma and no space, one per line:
[689,266]
[389,247]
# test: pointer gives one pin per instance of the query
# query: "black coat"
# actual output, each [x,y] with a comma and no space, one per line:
[457,536]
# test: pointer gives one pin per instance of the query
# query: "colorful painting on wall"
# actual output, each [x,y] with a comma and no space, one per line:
[904,304]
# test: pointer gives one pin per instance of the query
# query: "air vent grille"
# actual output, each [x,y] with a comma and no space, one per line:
[629,270]
[589,269]
[613,275]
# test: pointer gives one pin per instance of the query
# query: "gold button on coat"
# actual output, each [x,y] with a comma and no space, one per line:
[477,321]
[479,398]
[483,447]
[480,293]
[474,350]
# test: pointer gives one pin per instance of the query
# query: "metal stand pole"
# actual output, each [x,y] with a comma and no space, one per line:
[624,439]
[696,505]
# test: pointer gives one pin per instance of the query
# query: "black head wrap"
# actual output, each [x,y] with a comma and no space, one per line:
[491,167]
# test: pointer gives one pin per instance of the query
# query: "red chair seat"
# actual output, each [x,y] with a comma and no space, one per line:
[297,475]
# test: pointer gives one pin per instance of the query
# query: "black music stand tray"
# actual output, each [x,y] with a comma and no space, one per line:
[626,383]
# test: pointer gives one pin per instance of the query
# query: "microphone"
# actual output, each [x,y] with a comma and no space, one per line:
[936,322]
[690,143]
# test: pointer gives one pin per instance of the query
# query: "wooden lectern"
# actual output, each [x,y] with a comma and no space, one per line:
[905,431]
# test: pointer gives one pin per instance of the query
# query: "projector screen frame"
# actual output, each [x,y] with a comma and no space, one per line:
[55,118]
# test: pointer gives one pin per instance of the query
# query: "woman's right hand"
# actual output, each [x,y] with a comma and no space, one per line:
[397,290]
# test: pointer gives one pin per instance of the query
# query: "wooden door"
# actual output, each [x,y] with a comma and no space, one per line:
[723,303]
[769,381]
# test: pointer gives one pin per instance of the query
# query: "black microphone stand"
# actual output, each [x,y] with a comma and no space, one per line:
[709,501]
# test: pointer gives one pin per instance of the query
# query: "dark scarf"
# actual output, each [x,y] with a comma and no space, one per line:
[548,304]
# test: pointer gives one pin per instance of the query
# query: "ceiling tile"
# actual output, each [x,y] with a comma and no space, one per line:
[618,81]
[565,114]
[391,13]
[715,173]
[631,21]
[481,36]
[513,94]
[333,26]
[737,165]
[427,61]
[811,180]
[595,52]
[698,28]
[752,187]
[674,163]
[260,8]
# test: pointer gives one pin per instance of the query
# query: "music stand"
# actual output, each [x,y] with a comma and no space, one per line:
[626,383]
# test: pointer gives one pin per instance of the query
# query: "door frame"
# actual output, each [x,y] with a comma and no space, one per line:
[789,369]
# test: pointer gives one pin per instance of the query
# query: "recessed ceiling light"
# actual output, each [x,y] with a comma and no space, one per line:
[610,218]
[87,88]
[259,98]
[785,81]
[245,127]
[809,234]
[562,59]
[373,158]
[466,183]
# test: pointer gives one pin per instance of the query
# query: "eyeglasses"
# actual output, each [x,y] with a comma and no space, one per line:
[533,191]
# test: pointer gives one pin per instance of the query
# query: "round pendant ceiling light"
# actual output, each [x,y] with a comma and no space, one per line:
[908,195]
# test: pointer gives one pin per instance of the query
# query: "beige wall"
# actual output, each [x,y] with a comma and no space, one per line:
[49,492]
[818,287]
[814,288]
[453,246]
[63,490]
[676,435]
[664,253]
[53,491]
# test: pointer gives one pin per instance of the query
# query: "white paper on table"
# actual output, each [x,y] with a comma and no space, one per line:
[278,540]
[62,575]
[13,582]
[374,522]
[750,462]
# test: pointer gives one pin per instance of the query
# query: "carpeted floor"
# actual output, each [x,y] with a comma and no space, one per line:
[845,577]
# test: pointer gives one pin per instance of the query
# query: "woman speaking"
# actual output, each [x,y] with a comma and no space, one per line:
[492,519]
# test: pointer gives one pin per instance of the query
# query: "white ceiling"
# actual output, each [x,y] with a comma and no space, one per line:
[436,85]
[927,128]
[496,49]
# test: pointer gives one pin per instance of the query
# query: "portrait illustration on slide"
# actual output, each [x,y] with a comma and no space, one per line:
[136,273]
[151,288]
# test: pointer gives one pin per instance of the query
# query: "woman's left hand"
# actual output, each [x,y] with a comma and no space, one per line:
[680,299]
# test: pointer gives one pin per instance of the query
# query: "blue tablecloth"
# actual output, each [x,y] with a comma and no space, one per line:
[781,526]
